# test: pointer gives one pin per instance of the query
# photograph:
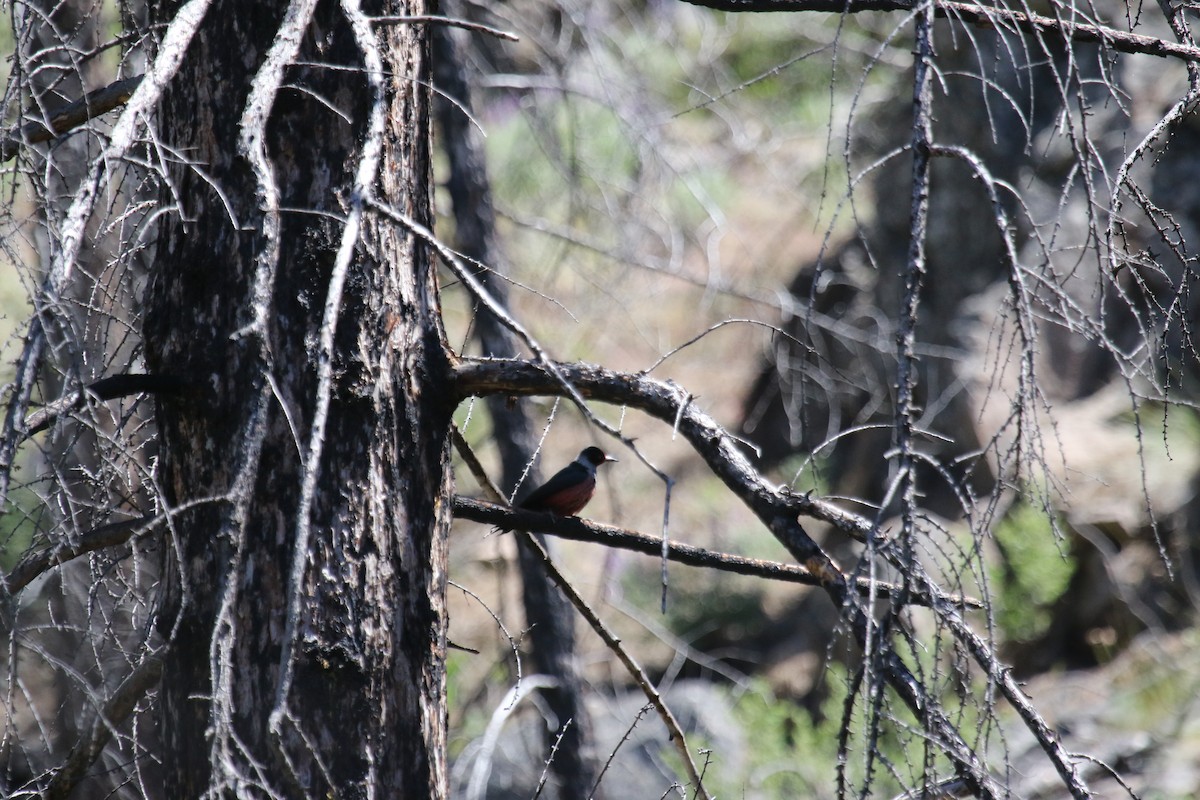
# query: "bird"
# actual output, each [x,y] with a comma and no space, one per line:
[571,488]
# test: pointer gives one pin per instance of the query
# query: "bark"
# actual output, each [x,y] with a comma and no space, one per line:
[304,588]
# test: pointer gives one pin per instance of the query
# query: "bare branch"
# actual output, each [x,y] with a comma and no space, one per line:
[665,400]
[983,16]
[118,708]
[104,389]
[582,530]
[364,180]
[38,563]
[70,116]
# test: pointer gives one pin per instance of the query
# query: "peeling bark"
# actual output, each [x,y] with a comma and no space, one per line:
[243,293]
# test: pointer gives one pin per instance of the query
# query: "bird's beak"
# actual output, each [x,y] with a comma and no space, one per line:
[610,458]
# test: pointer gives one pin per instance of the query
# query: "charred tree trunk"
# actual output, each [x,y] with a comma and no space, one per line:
[308,469]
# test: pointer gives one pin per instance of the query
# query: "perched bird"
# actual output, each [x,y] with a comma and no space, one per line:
[571,487]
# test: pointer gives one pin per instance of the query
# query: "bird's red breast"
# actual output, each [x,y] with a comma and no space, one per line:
[567,500]
[571,488]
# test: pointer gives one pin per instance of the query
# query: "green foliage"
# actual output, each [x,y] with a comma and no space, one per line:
[576,142]
[1033,574]
[791,753]
[18,527]
[806,472]
[728,604]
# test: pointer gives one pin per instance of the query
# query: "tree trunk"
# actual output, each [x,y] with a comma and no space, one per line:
[322,674]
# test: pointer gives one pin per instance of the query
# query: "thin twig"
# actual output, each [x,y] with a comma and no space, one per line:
[624,738]
[481,770]
[454,22]
[115,712]
[981,15]
[541,784]
[473,463]
[632,667]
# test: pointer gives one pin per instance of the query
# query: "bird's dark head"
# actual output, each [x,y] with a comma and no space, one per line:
[594,456]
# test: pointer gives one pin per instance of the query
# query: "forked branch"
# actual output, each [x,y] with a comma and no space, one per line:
[779,510]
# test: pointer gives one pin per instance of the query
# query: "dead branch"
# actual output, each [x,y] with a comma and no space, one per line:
[582,530]
[118,708]
[38,563]
[104,389]
[71,116]
[984,17]
[667,402]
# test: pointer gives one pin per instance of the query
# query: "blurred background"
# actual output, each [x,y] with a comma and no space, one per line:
[724,199]
[663,172]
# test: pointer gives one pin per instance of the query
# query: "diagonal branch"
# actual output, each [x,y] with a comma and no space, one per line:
[114,713]
[36,563]
[672,404]
[635,670]
[613,643]
[778,509]
[69,117]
